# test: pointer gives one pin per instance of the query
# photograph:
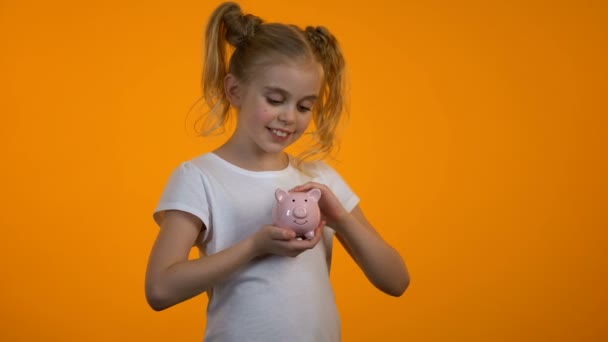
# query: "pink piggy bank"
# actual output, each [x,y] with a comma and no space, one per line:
[298,211]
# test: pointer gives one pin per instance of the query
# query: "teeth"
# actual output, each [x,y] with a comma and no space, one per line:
[279,133]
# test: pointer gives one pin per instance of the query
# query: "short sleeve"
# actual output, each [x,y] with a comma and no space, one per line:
[330,177]
[184,191]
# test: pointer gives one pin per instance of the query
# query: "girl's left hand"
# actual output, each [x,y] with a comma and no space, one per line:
[331,208]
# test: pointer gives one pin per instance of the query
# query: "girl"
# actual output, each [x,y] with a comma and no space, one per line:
[263,283]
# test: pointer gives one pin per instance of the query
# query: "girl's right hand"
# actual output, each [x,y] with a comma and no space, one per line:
[279,241]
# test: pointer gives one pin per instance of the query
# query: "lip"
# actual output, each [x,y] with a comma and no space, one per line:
[280,130]
[277,137]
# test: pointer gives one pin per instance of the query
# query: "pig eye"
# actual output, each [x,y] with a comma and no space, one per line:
[305,200]
[293,200]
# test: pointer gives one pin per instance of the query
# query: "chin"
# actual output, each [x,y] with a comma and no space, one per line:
[275,149]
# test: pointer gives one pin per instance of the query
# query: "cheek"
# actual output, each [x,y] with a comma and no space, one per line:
[304,121]
[263,113]
[260,114]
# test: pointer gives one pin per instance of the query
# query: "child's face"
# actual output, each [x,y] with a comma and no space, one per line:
[275,107]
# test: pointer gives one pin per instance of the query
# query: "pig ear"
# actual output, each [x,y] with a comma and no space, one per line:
[315,193]
[280,194]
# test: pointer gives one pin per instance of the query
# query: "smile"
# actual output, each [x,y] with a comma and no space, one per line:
[279,133]
[301,224]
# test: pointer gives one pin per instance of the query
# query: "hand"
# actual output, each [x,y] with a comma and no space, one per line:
[279,241]
[331,209]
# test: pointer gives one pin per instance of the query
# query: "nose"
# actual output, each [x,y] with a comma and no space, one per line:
[299,212]
[287,116]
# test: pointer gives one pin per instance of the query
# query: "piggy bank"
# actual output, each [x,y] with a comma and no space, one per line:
[298,211]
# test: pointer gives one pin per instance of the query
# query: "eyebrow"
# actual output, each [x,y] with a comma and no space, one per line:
[287,94]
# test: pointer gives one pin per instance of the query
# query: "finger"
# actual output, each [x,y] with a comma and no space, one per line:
[282,234]
[316,238]
[308,244]
[313,242]
[319,229]
[322,224]
[305,186]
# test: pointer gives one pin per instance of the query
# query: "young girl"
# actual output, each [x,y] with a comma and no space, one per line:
[263,283]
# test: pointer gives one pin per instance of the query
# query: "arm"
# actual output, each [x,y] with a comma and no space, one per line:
[380,263]
[171,278]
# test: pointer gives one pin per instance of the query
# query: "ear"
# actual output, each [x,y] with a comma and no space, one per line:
[232,88]
[315,193]
[280,194]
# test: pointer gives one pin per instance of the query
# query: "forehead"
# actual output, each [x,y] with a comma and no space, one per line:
[298,79]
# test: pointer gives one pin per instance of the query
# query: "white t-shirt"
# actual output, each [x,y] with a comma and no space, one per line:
[274,298]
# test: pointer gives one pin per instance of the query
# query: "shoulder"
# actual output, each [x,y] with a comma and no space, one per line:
[320,171]
[188,175]
[195,167]
[185,173]
[187,191]
[201,162]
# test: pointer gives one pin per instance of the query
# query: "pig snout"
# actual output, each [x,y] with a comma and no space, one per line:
[300,212]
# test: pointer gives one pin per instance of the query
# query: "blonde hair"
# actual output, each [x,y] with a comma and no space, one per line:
[238,44]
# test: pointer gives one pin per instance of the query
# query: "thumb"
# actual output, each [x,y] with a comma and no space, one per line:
[282,234]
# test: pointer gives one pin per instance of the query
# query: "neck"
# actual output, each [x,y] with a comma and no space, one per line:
[251,159]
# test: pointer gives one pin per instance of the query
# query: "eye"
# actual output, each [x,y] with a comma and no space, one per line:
[305,200]
[293,200]
[274,102]
[303,109]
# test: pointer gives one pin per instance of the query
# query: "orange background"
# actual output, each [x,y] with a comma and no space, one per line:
[477,143]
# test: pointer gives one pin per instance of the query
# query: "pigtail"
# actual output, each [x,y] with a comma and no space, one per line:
[228,30]
[331,107]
